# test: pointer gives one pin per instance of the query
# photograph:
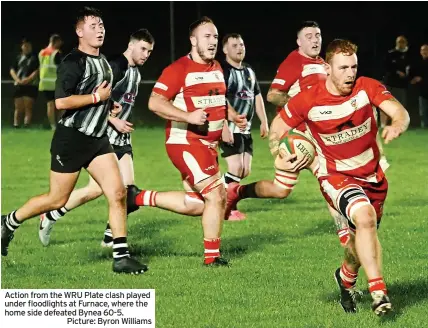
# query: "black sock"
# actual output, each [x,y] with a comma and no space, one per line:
[108,237]
[120,248]
[248,191]
[229,177]
[11,222]
[56,214]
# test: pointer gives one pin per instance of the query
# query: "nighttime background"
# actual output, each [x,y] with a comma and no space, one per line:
[268,29]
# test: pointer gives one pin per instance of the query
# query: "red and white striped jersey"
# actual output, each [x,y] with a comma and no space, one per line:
[343,128]
[191,86]
[297,73]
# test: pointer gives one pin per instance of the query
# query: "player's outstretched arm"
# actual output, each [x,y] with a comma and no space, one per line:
[399,116]
[162,107]
[277,97]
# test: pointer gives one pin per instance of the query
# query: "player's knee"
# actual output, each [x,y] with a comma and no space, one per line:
[279,192]
[58,202]
[118,195]
[121,194]
[215,192]
[236,169]
[195,209]
[282,193]
[365,217]
[246,172]
[284,183]
[218,196]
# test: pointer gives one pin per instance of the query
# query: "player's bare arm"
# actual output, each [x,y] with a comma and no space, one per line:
[399,116]
[77,101]
[30,78]
[277,130]
[277,97]
[162,107]
[226,134]
[261,114]
[14,76]
[233,116]
[123,126]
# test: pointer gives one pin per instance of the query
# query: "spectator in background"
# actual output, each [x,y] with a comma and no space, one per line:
[49,59]
[397,66]
[24,73]
[420,73]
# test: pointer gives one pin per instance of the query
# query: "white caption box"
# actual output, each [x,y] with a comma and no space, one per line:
[58,308]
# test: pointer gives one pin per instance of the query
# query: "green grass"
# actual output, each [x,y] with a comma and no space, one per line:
[283,257]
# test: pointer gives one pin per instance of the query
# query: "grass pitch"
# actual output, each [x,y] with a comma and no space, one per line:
[283,256]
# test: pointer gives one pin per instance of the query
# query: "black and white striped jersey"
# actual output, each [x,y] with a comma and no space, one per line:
[242,89]
[80,74]
[25,65]
[125,89]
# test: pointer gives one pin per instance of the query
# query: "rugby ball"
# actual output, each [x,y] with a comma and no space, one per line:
[296,142]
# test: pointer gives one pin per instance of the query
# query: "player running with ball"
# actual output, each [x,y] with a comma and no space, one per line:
[340,115]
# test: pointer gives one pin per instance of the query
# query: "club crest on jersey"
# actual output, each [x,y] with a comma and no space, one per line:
[129,98]
[245,94]
[354,103]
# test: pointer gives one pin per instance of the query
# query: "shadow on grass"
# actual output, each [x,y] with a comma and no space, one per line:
[261,204]
[236,247]
[231,248]
[321,226]
[154,244]
[402,294]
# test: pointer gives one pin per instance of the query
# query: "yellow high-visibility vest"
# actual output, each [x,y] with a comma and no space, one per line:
[47,69]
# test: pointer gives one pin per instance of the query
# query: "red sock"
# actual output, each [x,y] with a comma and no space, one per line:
[344,236]
[349,278]
[212,250]
[146,198]
[377,284]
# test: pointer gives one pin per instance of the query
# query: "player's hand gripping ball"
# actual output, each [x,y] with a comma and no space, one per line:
[296,142]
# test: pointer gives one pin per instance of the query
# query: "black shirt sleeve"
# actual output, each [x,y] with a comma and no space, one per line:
[226,72]
[257,90]
[34,64]
[118,65]
[58,58]
[69,75]
[15,64]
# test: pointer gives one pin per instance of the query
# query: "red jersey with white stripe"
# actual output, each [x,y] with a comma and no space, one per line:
[343,129]
[191,86]
[297,73]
